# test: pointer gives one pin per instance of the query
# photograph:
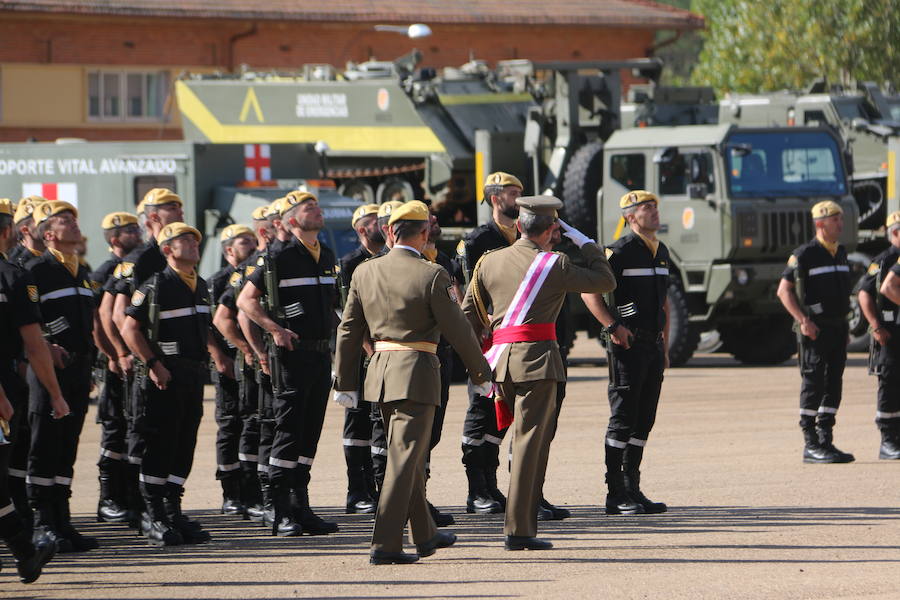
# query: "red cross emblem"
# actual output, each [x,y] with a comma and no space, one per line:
[257,162]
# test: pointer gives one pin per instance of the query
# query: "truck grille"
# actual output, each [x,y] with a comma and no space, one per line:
[785,230]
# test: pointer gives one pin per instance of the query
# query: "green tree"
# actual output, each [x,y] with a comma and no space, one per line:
[752,46]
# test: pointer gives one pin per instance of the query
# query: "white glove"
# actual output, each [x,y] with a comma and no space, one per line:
[482,389]
[347,399]
[578,238]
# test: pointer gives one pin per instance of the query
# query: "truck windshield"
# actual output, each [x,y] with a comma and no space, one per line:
[784,163]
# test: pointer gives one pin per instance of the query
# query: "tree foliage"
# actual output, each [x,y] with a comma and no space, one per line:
[752,46]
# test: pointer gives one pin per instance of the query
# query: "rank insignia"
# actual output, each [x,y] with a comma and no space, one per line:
[138,298]
[873,268]
[32,292]
[461,248]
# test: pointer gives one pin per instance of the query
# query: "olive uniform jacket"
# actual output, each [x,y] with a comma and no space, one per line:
[400,297]
[496,279]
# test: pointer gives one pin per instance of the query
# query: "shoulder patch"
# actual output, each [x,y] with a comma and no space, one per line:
[260,261]
[792,261]
[32,292]
[451,291]
[235,278]
[873,269]
[117,272]
[127,269]
[137,298]
[609,253]
[249,271]
[461,248]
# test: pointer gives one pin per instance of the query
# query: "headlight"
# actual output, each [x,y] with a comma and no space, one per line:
[742,276]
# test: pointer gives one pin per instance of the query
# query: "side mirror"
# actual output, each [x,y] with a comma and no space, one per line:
[665,155]
[697,191]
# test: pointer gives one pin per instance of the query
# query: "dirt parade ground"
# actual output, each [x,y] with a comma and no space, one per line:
[747,519]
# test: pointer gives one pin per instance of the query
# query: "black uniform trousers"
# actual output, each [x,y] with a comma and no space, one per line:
[17,393]
[230,425]
[248,409]
[54,442]
[821,372]
[113,424]
[887,362]
[266,400]
[635,381]
[168,422]
[299,406]
[21,444]
[445,355]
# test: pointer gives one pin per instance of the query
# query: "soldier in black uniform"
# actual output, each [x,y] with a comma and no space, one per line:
[357,420]
[123,234]
[883,315]
[636,319]
[300,287]
[69,315]
[815,290]
[30,242]
[166,327]
[238,243]
[20,331]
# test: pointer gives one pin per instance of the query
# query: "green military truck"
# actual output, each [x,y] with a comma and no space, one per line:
[219,183]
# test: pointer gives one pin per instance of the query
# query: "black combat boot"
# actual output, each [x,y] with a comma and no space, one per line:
[358,499]
[813,451]
[826,440]
[479,499]
[312,523]
[632,480]
[45,528]
[251,495]
[65,529]
[133,497]
[110,507]
[159,530]
[618,500]
[490,480]
[268,514]
[283,522]
[555,513]
[890,444]
[191,531]
[30,558]
[231,494]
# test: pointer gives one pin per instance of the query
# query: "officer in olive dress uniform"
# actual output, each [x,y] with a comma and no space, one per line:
[403,375]
[166,326]
[636,319]
[883,315]
[20,321]
[123,234]
[815,290]
[516,294]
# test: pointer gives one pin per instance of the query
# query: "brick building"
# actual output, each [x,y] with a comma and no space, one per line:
[103,70]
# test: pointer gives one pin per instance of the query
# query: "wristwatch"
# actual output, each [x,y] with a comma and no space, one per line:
[612,327]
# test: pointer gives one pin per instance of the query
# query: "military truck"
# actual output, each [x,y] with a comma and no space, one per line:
[219,183]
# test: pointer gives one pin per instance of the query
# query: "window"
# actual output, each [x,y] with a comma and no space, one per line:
[127,95]
[628,170]
[689,167]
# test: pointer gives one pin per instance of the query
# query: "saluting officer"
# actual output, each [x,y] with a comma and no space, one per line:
[238,243]
[481,439]
[636,319]
[357,420]
[122,234]
[166,327]
[402,376]
[515,296]
[883,315]
[20,331]
[815,290]
[300,285]
[70,318]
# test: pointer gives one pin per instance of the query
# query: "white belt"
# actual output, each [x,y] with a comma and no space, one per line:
[184,312]
[297,281]
[828,269]
[645,272]
[72,291]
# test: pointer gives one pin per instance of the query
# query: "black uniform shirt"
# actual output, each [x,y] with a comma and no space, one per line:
[826,279]
[878,270]
[350,261]
[19,306]
[138,266]
[183,314]
[103,274]
[307,290]
[896,268]
[218,283]
[236,280]
[67,303]
[20,255]
[642,281]
[480,240]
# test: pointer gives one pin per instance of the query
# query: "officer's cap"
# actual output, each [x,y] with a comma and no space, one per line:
[26,207]
[539,205]
[295,198]
[893,220]
[504,179]
[7,207]
[637,197]
[389,207]
[260,213]
[160,196]
[174,230]
[363,211]
[118,219]
[51,208]
[825,209]
[233,231]
[414,210]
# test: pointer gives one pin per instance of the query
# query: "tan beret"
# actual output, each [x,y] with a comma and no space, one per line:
[235,230]
[893,219]
[825,209]
[174,230]
[363,211]
[118,219]
[414,210]
[26,207]
[539,205]
[50,208]
[389,207]
[261,213]
[294,199]
[504,179]
[636,197]
[7,207]
[160,196]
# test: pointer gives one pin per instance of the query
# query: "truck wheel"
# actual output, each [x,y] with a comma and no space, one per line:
[394,189]
[581,182]
[764,341]
[683,336]
[359,190]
